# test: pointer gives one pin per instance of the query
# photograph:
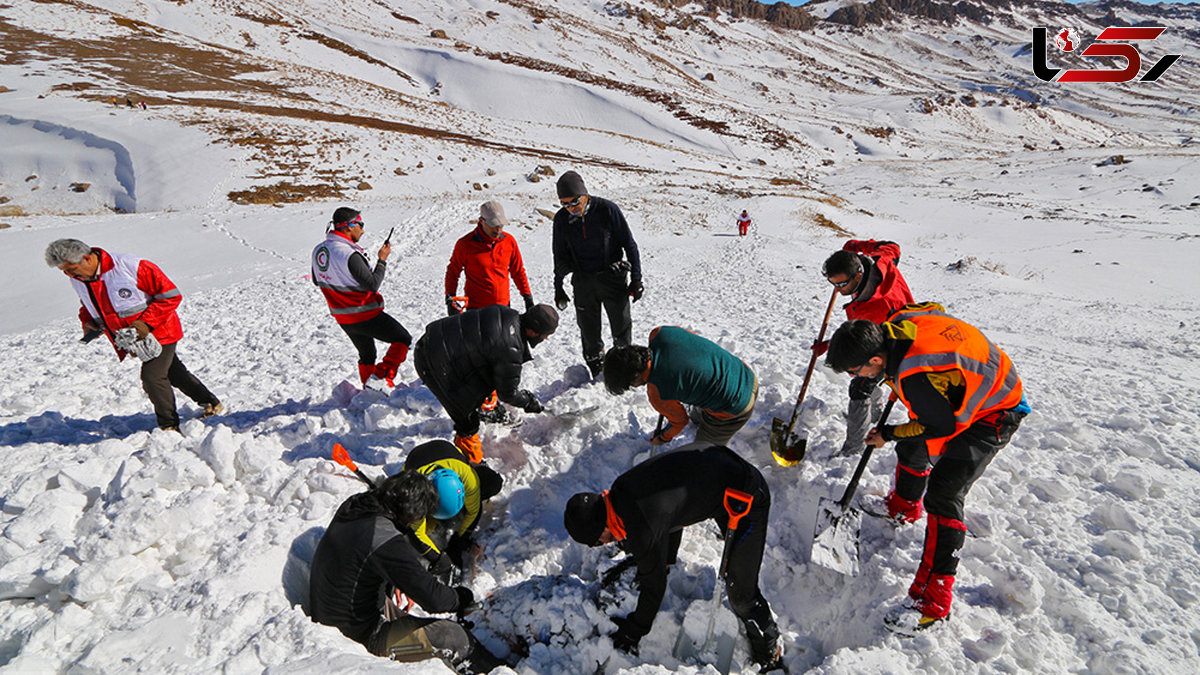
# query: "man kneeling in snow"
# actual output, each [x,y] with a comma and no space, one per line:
[366,552]
[646,510]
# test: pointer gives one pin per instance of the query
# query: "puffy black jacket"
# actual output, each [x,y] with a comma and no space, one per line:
[465,357]
[361,554]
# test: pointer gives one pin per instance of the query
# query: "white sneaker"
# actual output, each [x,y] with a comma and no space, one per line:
[907,619]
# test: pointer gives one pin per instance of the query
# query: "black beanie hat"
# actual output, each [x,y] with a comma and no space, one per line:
[585,518]
[541,319]
[570,184]
[344,214]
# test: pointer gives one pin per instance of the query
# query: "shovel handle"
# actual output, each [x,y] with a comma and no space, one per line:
[866,457]
[342,457]
[812,361]
[732,497]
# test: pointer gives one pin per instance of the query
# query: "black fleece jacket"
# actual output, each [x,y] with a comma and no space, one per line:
[362,554]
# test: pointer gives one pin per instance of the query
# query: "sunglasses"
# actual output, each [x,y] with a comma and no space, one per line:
[573,203]
[356,220]
[843,284]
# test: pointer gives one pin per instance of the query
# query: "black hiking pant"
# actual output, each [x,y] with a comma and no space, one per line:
[745,559]
[945,486]
[592,291]
[161,376]
[381,327]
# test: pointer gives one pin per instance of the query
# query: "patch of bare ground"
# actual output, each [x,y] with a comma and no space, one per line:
[165,70]
[285,193]
[340,46]
[822,221]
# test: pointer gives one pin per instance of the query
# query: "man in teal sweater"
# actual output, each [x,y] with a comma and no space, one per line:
[681,368]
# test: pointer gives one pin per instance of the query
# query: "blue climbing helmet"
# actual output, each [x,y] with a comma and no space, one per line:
[450,493]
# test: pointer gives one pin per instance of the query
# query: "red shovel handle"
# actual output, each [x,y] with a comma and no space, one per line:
[738,497]
[342,457]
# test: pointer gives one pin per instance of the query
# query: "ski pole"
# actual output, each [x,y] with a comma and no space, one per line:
[342,457]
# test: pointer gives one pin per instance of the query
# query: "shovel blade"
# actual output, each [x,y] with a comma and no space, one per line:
[835,538]
[787,447]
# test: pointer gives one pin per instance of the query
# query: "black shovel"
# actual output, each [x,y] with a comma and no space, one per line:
[788,447]
[835,537]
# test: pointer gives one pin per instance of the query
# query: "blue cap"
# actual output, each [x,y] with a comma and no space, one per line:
[450,493]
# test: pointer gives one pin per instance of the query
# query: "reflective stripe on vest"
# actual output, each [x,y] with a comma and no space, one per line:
[331,272]
[945,343]
[120,282]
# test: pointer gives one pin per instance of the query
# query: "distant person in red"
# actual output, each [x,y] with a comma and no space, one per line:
[351,288]
[866,271]
[122,293]
[743,224]
[488,256]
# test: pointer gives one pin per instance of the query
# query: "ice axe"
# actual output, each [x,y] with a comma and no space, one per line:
[835,537]
[342,457]
[787,447]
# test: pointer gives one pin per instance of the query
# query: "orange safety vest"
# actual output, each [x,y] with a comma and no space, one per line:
[944,343]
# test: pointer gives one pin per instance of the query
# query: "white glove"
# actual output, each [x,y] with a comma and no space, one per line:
[146,349]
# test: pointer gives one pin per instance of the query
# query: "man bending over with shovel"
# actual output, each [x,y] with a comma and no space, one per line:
[965,400]
[679,367]
[646,510]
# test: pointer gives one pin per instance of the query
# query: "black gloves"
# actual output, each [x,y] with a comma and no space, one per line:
[621,266]
[528,301]
[636,289]
[861,388]
[561,299]
[627,637]
[533,406]
[451,308]
[466,601]
[458,549]
[442,568]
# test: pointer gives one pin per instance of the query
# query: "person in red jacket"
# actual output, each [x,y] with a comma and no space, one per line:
[340,269]
[866,271]
[119,291]
[743,224]
[489,257]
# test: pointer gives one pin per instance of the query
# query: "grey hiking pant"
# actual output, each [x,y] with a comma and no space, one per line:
[862,414]
[162,373]
[718,430]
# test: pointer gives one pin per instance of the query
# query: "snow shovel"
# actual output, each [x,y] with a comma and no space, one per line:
[737,504]
[788,447]
[342,457]
[835,537]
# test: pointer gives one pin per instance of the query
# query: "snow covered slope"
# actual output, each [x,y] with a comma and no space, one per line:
[127,549]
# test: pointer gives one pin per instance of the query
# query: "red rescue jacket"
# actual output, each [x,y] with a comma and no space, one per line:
[890,293]
[130,289]
[488,264]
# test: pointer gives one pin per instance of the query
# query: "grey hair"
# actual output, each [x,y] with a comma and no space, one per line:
[63,251]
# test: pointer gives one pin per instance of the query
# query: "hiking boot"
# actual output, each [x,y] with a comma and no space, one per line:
[595,365]
[497,415]
[377,383]
[774,663]
[908,619]
[210,409]
[902,510]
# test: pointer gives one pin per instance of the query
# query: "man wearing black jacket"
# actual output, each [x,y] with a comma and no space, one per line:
[366,553]
[464,358]
[646,510]
[590,240]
